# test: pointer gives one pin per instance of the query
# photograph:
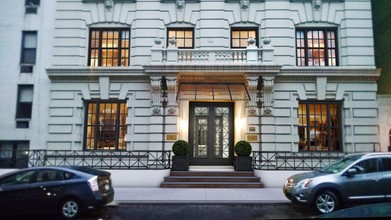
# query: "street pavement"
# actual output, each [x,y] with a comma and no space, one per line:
[198,195]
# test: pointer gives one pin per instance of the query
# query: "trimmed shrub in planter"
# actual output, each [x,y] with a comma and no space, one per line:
[243,160]
[243,148]
[180,160]
[181,148]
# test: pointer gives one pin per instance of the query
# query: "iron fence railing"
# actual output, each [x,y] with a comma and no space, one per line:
[95,159]
[264,160]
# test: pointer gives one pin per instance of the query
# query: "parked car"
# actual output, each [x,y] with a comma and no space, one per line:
[356,178]
[67,191]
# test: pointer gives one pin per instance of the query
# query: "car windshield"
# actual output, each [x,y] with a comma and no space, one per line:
[338,165]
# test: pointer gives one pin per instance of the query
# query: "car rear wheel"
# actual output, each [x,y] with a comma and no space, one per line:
[326,202]
[70,208]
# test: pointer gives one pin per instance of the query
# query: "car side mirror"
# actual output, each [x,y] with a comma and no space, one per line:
[351,172]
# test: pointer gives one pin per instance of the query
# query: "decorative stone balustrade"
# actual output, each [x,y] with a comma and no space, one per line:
[251,55]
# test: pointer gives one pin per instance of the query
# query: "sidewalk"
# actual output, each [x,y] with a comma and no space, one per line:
[198,195]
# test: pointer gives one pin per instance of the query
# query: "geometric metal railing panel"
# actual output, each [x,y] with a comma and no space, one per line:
[294,160]
[94,159]
[262,160]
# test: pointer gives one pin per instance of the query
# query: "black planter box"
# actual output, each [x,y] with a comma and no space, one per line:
[180,163]
[243,163]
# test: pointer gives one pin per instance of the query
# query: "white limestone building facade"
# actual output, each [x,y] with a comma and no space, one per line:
[136,75]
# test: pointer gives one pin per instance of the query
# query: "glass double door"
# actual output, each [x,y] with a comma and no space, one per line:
[211,133]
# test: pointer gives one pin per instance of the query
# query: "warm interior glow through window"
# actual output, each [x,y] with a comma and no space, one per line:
[183,36]
[316,47]
[106,126]
[319,126]
[239,38]
[109,47]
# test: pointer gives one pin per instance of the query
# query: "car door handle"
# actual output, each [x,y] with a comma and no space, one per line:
[376,179]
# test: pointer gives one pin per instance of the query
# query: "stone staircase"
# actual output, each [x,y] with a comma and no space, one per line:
[212,179]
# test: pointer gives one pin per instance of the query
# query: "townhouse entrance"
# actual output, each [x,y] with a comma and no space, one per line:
[211,133]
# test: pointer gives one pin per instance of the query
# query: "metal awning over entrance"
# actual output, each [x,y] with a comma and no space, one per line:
[214,88]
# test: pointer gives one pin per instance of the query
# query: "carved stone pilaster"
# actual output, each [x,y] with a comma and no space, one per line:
[163,98]
[252,83]
[155,84]
[171,95]
[268,99]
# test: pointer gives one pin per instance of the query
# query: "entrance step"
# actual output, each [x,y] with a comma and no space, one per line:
[212,179]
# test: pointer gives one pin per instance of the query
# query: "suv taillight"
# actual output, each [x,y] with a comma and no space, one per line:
[93,183]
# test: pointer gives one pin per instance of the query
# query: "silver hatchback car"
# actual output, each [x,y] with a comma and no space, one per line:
[356,178]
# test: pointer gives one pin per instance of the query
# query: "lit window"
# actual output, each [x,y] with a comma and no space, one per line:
[106,125]
[184,37]
[315,47]
[109,47]
[319,126]
[240,36]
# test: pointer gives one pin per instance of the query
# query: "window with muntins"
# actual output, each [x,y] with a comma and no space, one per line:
[184,37]
[106,125]
[240,36]
[319,126]
[316,47]
[109,47]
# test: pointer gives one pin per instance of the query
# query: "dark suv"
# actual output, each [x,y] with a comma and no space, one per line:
[356,178]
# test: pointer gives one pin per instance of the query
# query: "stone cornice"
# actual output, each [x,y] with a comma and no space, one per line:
[332,73]
[279,72]
[93,74]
